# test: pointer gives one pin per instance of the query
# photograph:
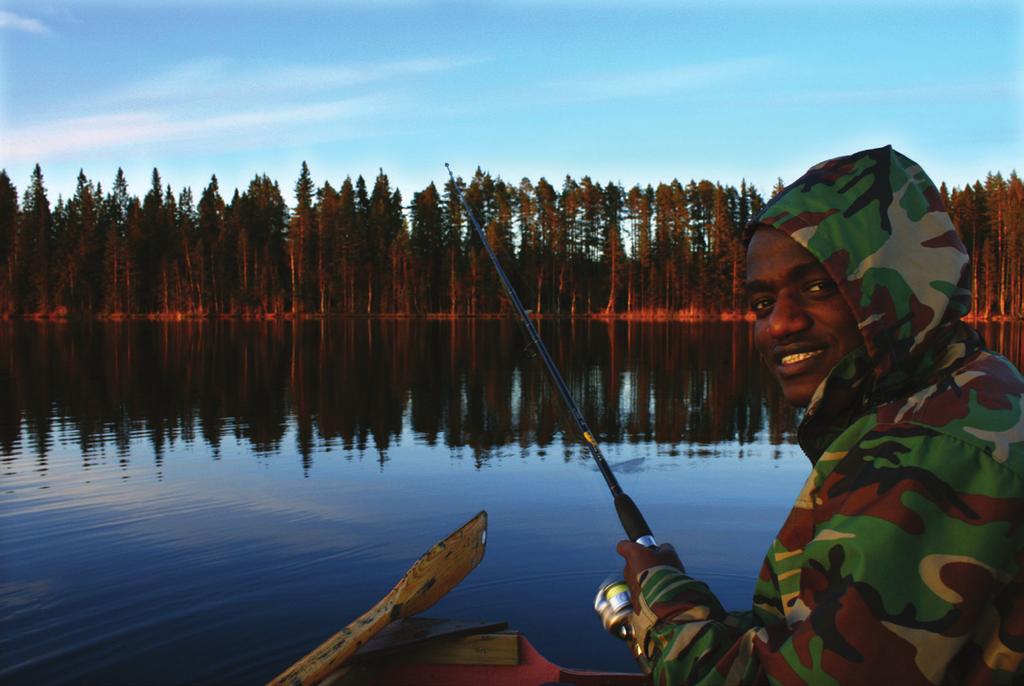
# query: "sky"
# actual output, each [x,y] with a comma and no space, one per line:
[631,92]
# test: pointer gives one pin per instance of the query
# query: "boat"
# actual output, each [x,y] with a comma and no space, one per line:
[392,645]
[421,651]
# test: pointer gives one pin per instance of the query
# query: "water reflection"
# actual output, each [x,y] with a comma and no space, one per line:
[1006,338]
[157,526]
[360,384]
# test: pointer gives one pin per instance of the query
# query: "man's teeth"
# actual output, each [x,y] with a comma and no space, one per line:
[799,357]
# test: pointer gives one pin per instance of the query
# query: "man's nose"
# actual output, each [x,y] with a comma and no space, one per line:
[788,317]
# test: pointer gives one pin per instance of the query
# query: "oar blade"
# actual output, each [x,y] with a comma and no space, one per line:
[441,568]
[429,579]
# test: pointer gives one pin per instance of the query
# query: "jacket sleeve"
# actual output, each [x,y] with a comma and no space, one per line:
[904,566]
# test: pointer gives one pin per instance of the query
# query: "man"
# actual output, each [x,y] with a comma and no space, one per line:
[902,560]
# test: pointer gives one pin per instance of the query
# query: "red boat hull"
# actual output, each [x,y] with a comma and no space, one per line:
[533,669]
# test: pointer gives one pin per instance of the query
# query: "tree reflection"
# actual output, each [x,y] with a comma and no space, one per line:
[364,384]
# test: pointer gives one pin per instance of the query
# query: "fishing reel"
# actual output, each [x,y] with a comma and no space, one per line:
[614,605]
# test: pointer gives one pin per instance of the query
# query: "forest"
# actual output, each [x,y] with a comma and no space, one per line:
[586,248]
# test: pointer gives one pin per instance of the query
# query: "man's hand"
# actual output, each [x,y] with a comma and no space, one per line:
[638,558]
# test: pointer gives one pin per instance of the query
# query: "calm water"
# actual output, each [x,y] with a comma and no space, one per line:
[204,503]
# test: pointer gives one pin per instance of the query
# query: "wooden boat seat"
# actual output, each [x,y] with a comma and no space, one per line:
[420,651]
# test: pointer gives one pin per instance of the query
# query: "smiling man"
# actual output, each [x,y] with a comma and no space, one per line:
[902,560]
[803,327]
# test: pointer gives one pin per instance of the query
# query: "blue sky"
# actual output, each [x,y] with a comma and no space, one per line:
[632,92]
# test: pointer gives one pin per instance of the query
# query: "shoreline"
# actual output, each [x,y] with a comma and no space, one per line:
[651,316]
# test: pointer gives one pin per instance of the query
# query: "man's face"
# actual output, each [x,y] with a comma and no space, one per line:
[803,326]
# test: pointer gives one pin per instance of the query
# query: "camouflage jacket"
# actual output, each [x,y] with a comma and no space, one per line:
[902,560]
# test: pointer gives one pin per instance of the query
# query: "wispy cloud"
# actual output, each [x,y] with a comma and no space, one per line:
[662,82]
[224,102]
[10,20]
[966,92]
[222,79]
[710,81]
[78,134]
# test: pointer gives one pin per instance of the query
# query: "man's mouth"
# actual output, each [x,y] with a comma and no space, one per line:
[793,358]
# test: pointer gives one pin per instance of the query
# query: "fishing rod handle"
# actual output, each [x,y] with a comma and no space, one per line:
[633,522]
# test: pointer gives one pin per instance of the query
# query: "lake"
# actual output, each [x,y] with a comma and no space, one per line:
[206,502]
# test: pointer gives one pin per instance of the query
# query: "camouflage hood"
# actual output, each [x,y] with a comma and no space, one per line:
[877,223]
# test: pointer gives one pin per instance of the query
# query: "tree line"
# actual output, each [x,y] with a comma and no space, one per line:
[584,248]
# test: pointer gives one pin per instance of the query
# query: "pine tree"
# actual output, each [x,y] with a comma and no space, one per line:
[229,251]
[454,246]
[186,234]
[299,230]
[81,247]
[531,247]
[327,227]
[499,235]
[262,216]
[724,249]
[367,242]
[349,247]
[211,210]
[148,247]
[612,252]
[9,219]
[427,248]
[700,208]
[384,223]
[401,271]
[60,248]
[591,233]
[134,241]
[170,289]
[777,188]
[666,250]
[996,194]
[1014,207]
[35,238]
[566,242]
[640,203]
[113,217]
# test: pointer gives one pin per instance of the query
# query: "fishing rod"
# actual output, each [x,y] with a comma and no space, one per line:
[629,514]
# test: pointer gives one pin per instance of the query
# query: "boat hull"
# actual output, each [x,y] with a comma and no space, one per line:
[504,658]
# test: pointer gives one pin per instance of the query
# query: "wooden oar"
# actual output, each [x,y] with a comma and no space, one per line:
[427,581]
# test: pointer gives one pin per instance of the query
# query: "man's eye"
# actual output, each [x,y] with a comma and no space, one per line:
[821,286]
[760,304]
